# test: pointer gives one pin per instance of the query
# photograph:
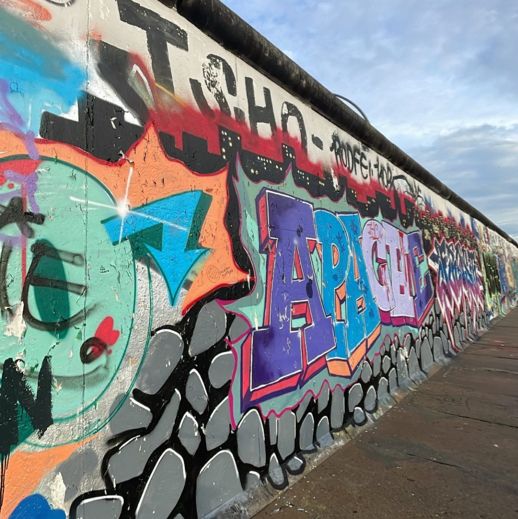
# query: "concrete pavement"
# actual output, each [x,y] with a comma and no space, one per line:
[449,449]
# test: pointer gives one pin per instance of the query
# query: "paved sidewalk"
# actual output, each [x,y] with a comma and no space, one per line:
[449,449]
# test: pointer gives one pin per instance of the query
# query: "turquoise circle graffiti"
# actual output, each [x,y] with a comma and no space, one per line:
[66,291]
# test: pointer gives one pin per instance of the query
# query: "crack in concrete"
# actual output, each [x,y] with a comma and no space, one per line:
[439,462]
[472,418]
[496,370]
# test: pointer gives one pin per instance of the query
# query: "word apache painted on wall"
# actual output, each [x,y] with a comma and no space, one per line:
[320,309]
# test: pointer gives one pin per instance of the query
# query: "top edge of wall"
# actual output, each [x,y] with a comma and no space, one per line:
[231,31]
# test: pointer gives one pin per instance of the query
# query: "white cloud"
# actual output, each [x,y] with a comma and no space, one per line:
[480,164]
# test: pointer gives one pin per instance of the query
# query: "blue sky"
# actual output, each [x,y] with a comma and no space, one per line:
[439,79]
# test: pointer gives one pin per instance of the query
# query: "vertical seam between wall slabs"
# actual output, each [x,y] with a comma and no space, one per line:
[87,137]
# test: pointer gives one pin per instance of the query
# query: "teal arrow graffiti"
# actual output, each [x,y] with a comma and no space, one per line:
[168,230]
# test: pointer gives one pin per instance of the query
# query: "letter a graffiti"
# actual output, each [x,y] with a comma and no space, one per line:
[296,332]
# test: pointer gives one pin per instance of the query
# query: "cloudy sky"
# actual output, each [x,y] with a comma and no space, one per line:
[439,79]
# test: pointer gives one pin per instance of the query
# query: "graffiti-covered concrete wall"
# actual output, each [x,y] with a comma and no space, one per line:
[201,277]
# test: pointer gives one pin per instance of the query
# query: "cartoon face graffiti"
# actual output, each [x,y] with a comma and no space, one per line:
[65,291]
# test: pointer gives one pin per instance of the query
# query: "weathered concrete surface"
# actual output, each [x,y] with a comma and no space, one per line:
[449,449]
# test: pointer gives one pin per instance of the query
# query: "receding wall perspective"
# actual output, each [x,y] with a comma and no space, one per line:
[201,277]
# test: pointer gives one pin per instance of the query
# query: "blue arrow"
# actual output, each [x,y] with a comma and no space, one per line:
[168,230]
